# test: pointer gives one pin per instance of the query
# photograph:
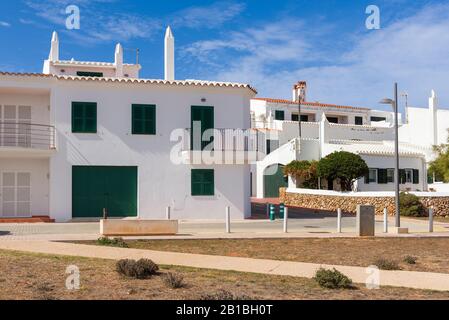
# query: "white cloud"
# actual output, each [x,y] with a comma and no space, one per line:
[412,51]
[4,24]
[211,16]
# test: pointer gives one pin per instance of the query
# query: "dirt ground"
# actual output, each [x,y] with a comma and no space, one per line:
[42,277]
[432,253]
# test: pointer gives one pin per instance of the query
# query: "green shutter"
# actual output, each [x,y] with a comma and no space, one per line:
[143,119]
[84,117]
[382,176]
[203,182]
[367,178]
[415,176]
[204,115]
[279,115]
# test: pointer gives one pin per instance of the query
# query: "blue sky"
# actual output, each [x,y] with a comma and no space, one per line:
[269,44]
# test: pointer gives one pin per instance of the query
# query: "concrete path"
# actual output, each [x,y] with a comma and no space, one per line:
[417,280]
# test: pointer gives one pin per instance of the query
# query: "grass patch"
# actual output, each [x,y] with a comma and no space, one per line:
[332,279]
[141,269]
[386,264]
[174,280]
[115,242]
[410,259]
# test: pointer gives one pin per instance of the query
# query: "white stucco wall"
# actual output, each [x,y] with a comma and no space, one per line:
[161,183]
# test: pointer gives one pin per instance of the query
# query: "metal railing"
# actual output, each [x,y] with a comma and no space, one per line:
[225,140]
[27,135]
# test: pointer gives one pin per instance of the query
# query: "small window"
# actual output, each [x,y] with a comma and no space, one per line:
[332,119]
[408,175]
[390,175]
[359,121]
[84,117]
[415,176]
[203,183]
[89,74]
[143,119]
[372,178]
[279,115]
[304,117]
[295,117]
[378,119]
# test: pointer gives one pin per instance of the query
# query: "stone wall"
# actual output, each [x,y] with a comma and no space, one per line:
[349,204]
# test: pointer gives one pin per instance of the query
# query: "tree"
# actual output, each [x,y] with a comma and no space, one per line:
[440,166]
[305,171]
[345,166]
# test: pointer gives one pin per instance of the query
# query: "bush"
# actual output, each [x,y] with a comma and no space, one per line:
[410,259]
[174,280]
[410,205]
[141,269]
[332,279]
[224,295]
[385,264]
[116,242]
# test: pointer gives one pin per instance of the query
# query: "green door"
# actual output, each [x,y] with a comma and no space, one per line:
[205,117]
[95,188]
[272,182]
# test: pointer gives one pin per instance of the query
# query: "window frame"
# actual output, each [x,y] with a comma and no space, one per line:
[203,184]
[375,175]
[83,128]
[356,118]
[150,111]
[277,114]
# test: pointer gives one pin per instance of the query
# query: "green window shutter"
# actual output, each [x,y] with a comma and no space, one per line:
[279,115]
[84,117]
[203,182]
[143,119]
[382,176]
[367,178]
[402,176]
[415,176]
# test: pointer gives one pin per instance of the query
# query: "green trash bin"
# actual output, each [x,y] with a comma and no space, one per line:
[281,211]
[272,212]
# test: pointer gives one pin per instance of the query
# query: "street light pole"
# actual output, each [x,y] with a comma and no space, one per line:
[396,152]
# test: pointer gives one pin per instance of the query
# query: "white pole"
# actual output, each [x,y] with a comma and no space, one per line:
[385,220]
[268,211]
[339,220]
[430,219]
[168,213]
[228,219]
[285,220]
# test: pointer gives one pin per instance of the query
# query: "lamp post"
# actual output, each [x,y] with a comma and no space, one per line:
[394,104]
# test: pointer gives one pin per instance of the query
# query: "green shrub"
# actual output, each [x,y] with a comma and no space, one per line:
[410,205]
[410,259]
[174,280]
[115,242]
[332,279]
[385,264]
[224,295]
[141,269]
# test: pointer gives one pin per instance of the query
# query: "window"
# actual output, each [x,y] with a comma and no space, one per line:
[89,74]
[203,183]
[378,119]
[143,119]
[304,117]
[390,175]
[359,121]
[415,176]
[382,176]
[279,115]
[371,177]
[84,117]
[332,119]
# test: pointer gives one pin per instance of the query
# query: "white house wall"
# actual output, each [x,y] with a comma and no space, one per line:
[161,183]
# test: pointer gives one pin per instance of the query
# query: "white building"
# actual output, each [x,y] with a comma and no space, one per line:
[326,128]
[86,136]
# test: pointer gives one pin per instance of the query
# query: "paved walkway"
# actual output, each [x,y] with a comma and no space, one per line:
[417,280]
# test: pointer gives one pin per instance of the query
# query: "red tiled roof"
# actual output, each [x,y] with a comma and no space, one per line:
[312,104]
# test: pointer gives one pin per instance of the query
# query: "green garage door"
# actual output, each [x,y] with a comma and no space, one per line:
[273,180]
[95,188]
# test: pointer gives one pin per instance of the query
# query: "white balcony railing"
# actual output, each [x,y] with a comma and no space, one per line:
[26,135]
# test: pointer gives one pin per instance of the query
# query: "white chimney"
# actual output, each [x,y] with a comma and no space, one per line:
[169,55]
[118,61]
[433,108]
[300,91]
[54,50]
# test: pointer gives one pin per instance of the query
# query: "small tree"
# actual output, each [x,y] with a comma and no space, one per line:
[303,170]
[344,166]
[440,166]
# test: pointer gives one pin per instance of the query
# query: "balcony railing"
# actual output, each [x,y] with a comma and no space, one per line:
[225,140]
[26,135]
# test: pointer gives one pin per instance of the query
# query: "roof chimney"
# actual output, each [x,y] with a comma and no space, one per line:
[118,61]
[169,55]
[54,50]
[300,91]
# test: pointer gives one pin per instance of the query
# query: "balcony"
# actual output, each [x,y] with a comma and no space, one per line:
[17,138]
[223,146]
